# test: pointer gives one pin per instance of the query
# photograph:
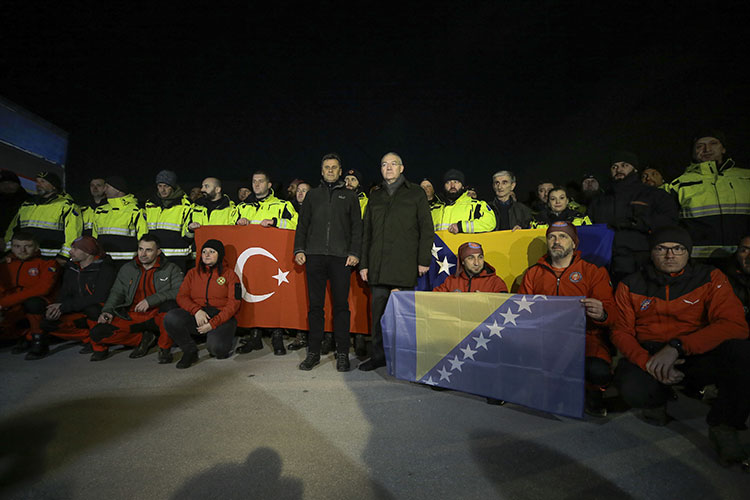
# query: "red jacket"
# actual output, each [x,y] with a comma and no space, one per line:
[209,288]
[23,279]
[696,306]
[580,278]
[485,281]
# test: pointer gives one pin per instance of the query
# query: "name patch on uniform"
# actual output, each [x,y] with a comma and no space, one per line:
[575,277]
[645,304]
[221,280]
[34,271]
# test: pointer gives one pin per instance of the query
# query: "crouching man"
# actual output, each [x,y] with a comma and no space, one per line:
[681,322]
[144,290]
[473,274]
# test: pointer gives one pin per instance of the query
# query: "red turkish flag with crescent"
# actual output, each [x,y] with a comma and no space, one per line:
[274,287]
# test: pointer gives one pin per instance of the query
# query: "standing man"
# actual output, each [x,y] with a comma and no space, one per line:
[713,194]
[542,196]
[50,216]
[168,217]
[633,210]
[562,271]
[680,321]
[396,244]
[98,198]
[144,291]
[353,180]
[213,208]
[509,213]
[461,213]
[119,223]
[12,195]
[328,242]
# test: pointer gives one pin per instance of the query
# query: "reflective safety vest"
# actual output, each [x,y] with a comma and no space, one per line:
[280,211]
[170,225]
[55,222]
[472,216]
[362,197]
[87,211]
[118,225]
[576,221]
[225,214]
[714,206]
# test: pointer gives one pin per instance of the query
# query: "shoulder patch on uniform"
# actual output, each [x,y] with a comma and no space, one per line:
[645,304]
[221,280]
[34,271]
[575,277]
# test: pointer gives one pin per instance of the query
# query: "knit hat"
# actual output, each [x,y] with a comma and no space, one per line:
[216,245]
[454,175]
[564,227]
[675,234]
[626,156]
[167,177]
[52,178]
[9,176]
[87,244]
[711,133]
[468,248]
[118,182]
[355,173]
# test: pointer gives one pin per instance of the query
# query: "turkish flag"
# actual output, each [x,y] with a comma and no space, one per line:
[274,287]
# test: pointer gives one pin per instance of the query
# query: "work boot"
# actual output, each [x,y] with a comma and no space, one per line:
[326,345]
[311,360]
[39,346]
[372,364]
[189,358]
[342,362]
[594,403]
[252,343]
[21,346]
[299,341]
[99,355]
[165,356]
[277,341]
[360,345]
[656,416]
[148,340]
[86,349]
[727,444]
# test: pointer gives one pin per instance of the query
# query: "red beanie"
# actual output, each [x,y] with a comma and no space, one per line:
[564,227]
[87,244]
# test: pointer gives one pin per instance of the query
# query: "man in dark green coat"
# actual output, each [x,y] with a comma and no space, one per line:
[396,244]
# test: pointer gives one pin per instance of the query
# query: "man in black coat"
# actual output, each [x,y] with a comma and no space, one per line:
[12,195]
[396,242]
[633,210]
[328,242]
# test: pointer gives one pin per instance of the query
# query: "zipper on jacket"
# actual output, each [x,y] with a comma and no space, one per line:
[469,289]
[208,282]
[18,275]
[557,287]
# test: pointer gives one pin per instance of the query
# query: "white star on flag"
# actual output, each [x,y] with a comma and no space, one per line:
[523,304]
[445,266]
[435,250]
[468,352]
[429,381]
[281,277]
[495,329]
[445,374]
[456,364]
[509,317]
[481,342]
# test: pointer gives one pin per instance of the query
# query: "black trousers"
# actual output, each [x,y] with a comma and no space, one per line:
[320,270]
[181,327]
[380,295]
[726,366]
[597,371]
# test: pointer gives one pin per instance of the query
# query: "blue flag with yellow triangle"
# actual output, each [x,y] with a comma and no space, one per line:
[522,349]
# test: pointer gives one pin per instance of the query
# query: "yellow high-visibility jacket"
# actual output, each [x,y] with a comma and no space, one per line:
[472,216]
[118,225]
[280,211]
[170,223]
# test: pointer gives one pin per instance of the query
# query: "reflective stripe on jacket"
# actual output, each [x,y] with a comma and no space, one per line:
[55,222]
[472,216]
[118,225]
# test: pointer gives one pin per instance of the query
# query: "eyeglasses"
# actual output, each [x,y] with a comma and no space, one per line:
[676,250]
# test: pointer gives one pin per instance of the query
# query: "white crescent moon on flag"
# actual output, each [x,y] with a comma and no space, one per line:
[240,266]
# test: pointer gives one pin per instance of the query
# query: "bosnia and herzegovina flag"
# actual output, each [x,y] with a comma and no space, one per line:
[523,349]
[512,252]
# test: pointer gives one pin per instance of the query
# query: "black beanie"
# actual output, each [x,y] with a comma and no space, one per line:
[711,133]
[52,178]
[216,245]
[9,176]
[674,234]
[626,156]
[355,173]
[454,175]
[118,182]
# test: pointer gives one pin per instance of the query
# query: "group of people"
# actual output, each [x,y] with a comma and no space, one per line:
[674,320]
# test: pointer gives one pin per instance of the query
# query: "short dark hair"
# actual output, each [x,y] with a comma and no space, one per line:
[332,156]
[559,188]
[152,238]
[260,172]
[24,236]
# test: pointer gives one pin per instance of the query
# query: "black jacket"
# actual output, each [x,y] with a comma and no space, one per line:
[633,210]
[330,222]
[518,213]
[740,284]
[398,236]
[85,287]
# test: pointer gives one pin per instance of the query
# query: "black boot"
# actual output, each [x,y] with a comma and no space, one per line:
[360,345]
[148,340]
[99,355]
[253,343]
[311,360]
[299,341]
[165,356]
[342,362]
[39,346]
[21,346]
[327,345]
[277,341]
[189,358]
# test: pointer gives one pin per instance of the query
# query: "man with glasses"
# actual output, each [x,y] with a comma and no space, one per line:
[680,322]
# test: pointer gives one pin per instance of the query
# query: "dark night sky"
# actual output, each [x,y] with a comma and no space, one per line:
[543,88]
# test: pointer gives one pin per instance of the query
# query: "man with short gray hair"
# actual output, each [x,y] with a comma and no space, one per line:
[509,213]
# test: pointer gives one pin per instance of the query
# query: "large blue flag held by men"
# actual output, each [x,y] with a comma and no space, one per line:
[523,349]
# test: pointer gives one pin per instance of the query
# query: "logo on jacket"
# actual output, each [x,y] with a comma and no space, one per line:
[34,271]
[575,277]
[645,304]
[691,303]
[164,279]
[221,280]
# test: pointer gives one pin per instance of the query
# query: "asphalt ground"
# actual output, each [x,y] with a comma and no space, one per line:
[254,426]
